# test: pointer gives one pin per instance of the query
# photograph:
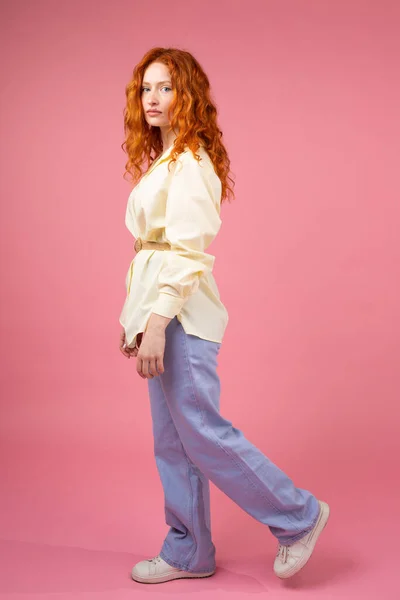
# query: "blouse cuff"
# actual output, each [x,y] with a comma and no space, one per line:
[168,305]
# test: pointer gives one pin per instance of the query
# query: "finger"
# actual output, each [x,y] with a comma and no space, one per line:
[122,341]
[150,369]
[145,369]
[139,366]
[160,365]
[132,351]
[153,367]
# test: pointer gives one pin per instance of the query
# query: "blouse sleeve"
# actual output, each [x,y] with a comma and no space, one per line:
[192,221]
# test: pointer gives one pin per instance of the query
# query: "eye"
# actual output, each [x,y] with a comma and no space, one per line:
[163,88]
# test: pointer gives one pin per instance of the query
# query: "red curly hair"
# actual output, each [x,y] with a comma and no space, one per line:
[192,111]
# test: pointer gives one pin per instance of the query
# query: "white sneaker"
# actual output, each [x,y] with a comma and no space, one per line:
[291,558]
[156,570]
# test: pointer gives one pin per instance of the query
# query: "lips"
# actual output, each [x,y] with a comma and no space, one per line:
[154,112]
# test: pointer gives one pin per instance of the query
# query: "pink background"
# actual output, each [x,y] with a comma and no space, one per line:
[307,262]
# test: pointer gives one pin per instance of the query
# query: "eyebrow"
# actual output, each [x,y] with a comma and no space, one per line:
[166,81]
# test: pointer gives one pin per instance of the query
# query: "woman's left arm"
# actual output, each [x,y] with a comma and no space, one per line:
[191,223]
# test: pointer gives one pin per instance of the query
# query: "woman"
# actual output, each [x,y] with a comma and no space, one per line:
[173,323]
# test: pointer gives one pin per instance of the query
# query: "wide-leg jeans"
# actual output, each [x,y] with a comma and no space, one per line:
[195,444]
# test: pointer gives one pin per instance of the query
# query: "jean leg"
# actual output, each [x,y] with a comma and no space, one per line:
[188,544]
[191,388]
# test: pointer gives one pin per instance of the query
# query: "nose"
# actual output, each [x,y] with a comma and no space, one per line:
[151,99]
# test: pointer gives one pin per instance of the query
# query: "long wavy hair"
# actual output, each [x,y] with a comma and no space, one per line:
[192,114]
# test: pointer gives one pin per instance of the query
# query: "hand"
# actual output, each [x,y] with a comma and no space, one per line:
[126,351]
[150,358]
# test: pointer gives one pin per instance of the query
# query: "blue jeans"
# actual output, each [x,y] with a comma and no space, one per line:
[194,443]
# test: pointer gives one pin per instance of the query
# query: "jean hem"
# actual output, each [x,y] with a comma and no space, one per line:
[303,533]
[183,567]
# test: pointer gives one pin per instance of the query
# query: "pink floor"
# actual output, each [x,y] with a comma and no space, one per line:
[73,523]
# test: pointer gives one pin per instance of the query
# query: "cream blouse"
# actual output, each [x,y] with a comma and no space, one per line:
[182,207]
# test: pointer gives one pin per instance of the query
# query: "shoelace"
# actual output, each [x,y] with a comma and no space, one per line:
[283,552]
[155,560]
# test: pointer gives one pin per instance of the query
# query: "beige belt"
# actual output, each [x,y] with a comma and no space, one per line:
[142,245]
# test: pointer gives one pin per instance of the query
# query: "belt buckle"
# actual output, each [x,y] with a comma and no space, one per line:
[138,245]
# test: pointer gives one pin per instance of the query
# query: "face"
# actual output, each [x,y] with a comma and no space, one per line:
[157,94]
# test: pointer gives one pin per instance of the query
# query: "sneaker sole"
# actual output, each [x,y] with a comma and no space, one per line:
[319,526]
[171,577]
